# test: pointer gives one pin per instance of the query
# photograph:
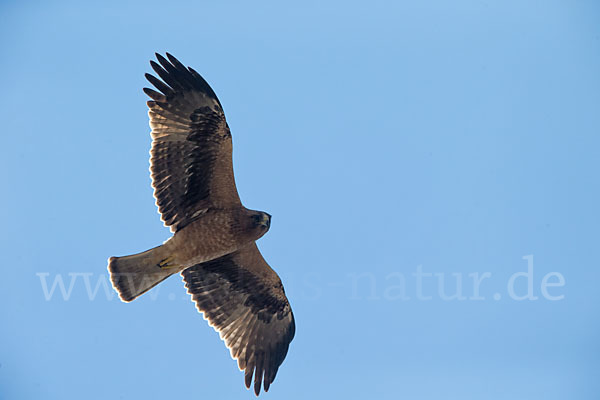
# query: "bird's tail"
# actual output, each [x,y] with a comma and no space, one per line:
[134,275]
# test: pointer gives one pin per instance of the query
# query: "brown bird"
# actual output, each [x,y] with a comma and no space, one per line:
[213,245]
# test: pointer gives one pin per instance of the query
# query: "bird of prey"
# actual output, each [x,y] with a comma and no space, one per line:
[213,243]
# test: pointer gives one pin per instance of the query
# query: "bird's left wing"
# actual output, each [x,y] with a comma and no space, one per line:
[243,299]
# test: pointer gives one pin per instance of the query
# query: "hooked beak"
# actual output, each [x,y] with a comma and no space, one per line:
[266,220]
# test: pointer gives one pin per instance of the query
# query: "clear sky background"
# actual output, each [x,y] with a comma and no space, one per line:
[389,140]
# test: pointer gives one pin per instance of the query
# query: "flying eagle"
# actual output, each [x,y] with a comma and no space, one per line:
[213,243]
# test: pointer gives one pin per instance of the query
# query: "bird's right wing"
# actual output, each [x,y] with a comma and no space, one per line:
[190,164]
[243,299]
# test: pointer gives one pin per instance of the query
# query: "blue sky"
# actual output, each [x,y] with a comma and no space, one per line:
[399,146]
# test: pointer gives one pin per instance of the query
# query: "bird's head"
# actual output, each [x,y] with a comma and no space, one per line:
[261,221]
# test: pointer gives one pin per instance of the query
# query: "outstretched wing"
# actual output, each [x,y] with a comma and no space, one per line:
[243,299]
[190,161]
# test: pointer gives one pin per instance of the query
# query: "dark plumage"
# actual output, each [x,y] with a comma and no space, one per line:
[250,311]
[213,245]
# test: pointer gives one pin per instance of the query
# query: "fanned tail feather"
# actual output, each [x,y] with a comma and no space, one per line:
[134,275]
